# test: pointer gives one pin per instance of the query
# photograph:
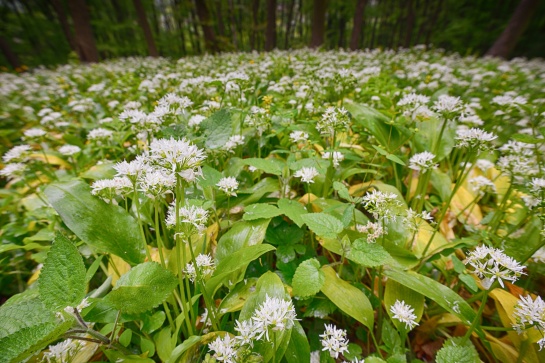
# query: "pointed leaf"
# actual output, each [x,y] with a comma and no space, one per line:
[368,254]
[324,225]
[308,278]
[260,211]
[293,210]
[242,234]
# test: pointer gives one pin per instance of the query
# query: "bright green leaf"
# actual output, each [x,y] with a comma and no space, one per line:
[368,254]
[260,211]
[324,225]
[308,278]
[293,210]
[242,234]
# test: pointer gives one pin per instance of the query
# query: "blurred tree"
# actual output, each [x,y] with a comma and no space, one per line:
[205,19]
[9,54]
[85,40]
[518,23]
[318,23]
[59,10]
[270,32]
[143,21]
[357,27]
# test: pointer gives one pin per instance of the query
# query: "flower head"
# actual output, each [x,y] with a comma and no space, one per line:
[530,313]
[336,157]
[307,174]
[179,156]
[474,137]
[333,119]
[404,313]
[422,161]
[273,314]
[490,264]
[334,341]
[298,136]
[204,263]
[17,153]
[225,350]
[228,185]
[69,150]
[192,218]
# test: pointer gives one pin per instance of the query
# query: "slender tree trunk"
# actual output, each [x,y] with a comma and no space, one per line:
[518,23]
[143,21]
[233,27]
[270,31]
[423,23]
[358,24]
[434,17]
[410,25]
[342,28]
[289,20]
[255,22]
[318,23]
[375,22]
[194,35]
[9,54]
[206,24]
[85,39]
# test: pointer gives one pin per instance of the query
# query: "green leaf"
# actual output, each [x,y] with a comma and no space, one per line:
[454,351]
[117,356]
[395,291]
[342,190]
[62,279]
[107,227]
[269,166]
[395,159]
[259,211]
[218,129]
[298,350]
[293,210]
[242,234]
[142,288]
[284,234]
[527,139]
[368,254]
[269,284]
[308,278]
[210,177]
[153,322]
[441,294]
[324,225]
[351,300]
[235,299]
[238,261]
[182,348]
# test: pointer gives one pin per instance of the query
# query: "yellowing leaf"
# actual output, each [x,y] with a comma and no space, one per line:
[460,206]
[117,267]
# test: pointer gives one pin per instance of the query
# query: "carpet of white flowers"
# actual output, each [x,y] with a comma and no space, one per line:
[292,207]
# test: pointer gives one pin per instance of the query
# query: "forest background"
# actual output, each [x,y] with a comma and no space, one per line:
[51,32]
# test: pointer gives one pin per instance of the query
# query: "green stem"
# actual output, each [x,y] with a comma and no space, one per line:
[477,319]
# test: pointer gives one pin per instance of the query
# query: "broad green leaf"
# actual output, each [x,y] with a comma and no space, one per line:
[265,186]
[218,129]
[454,351]
[210,177]
[269,166]
[441,294]
[298,350]
[153,322]
[163,343]
[427,137]
[293,210]
[235,299]
[242,234]
[368,254]
[284,233]
[308,278]
[101,171]
[442,183]
[62,279]
[324,225]
[260,211]
[182,348]
[396,291]
[117,356]
[527,139]
[351,300]
[269,284]
[235,262]
[395,159]
[106,227]
[342,190]
[144,287]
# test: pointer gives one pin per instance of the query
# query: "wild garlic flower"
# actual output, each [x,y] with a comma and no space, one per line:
[474,138]
[298,136]
[412,220]
[69,150]
[422,161]
[225,349]
[228,185]
[333,119]
[307,174]
[192,218]
[195,120]
[491,264]
[334,341]
[447,104]
[413,99]
[108,189]
[273,314]
[336,157]
[179,156]
[482,185]
[246,332]
[509,100]
[530,313]
[156,184]
[537,186]
[34,133]
[17,154]
[539,255]
[404,313]
[233,142]
[64,351]
[206,267]
[259,118]
[13,170]
[100,135]
[133,169]
[383,206]
[373,231]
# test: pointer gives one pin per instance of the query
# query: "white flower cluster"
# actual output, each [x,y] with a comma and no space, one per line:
[422,161]
[228,185]
[474,138]
[204,263]
[374,230]
[233,142]
[336,157]
[491,264]
[69,150]
[192,219]
[482,185]
[404,313]
[334,341]
[530,313]
[307,174]
[64,351]
[333,119]
[178,156]
[383,206]
[259,118]
[273,315]
[447,104]
[298,136]
[518,160]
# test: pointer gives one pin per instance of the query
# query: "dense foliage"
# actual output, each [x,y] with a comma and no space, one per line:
[288,207]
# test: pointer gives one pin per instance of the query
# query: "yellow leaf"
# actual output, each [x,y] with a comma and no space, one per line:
[463,207]
[117,267]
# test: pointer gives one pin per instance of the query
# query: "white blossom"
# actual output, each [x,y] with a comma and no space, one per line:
[404,313]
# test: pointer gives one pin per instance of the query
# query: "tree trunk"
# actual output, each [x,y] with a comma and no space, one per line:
[233,27]
[358,24]
[518,23]
[206,24]
[65,26]
[9,54]
[270,32]
[255,21]
[143,21]
[410,25]
[85,40]
[318,23]
[289,20]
